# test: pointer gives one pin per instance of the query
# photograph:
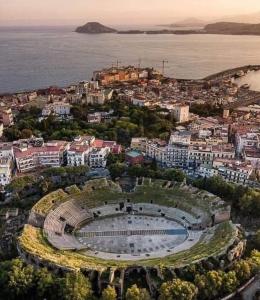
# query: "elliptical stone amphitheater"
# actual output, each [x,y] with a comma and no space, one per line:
[112,236]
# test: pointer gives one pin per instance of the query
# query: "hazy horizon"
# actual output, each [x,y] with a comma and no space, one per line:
[112,12]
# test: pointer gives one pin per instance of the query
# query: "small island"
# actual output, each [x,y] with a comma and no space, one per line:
[94,28]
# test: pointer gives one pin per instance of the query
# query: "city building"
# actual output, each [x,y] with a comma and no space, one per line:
[134,157]
[181,113]
[139,144]
[57,109]
[6,150]
[29,158]
[97,97]
[6,166]
[6,116]
[98,157]
[94,118]
[248,139]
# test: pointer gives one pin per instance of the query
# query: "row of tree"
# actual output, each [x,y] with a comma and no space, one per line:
[117,168]
[21,281]
[245,200]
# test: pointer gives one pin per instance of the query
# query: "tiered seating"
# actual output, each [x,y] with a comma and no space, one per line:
[169,212]
[67,213]
[64,242]
[107,210]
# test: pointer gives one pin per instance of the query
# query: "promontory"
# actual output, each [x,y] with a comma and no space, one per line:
[94,28]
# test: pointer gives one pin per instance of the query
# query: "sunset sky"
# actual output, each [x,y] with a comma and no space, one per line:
[50,12]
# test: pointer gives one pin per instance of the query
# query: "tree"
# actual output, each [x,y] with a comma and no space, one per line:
[257,239]
[174,175]
[12,133]
[75,286]
[243,270]
[109,293]
[20,183]
[136,171]
[45,284]
[250,203]
[26,133]
[178,289]
[116,170]
[230,282]
[134,293]
[16,280]
[210,284]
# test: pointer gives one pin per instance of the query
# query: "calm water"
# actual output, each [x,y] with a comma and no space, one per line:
[38,57]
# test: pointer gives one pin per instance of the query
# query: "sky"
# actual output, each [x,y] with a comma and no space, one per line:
[118,12]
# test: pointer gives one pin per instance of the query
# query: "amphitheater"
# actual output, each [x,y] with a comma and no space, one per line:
[108,233]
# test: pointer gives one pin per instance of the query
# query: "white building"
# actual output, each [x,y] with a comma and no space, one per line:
[98,157]
[182,113]
[56,108]
[6,150]
[249,139]
[82,88]
[156,149]
[234,171]
[207,171]
[180,137]
[176,155]
[79,150]
[139,144]
[51,154]
[252,155]
[95,118]
[5,171]
[140,100]
[1,129]
[96,97]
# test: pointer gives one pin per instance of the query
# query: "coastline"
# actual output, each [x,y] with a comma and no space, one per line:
[214,76]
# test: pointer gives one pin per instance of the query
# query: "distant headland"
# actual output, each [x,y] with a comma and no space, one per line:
[226,28]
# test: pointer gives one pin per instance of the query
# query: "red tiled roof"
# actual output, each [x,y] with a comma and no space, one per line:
[34,150]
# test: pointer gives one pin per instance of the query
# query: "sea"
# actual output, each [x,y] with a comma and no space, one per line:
[38,57]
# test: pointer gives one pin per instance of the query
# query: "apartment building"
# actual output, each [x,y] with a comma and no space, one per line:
[252,155]
[94,118]
[6,166]
[140,100]
[249,139]
[51,154]
[57,109]
[234,171]
[205,154]
[98,157]
[6,150]
[139,144]
[176,155]
[6,116]
[181,113]
[156,149]
[96,97]
[79,150]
